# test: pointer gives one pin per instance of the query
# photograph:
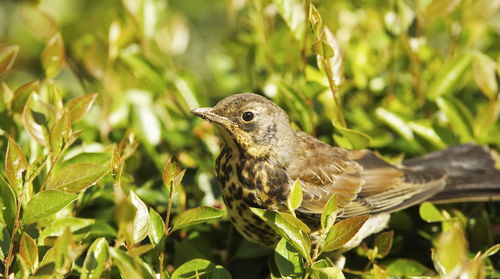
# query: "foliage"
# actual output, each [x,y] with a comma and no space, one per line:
[96,97]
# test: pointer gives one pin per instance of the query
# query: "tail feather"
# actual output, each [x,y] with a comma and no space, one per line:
[471,171]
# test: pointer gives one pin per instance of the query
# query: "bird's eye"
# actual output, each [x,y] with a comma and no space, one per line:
[247,116]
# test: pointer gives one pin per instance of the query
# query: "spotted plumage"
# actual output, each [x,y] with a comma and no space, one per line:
[262,157]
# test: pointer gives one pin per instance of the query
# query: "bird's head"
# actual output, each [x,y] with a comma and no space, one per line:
[253,123]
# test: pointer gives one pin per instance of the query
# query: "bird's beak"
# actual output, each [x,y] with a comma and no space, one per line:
[208,114]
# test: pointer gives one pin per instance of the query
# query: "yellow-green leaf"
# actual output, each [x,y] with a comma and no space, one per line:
[53,56]
[484,72]
[22,94]
[46,203]
[449,77]
[195,216]
[96,260]
[76,177]
[295,197]
[8,55]
[15,165]
[430,213]
[79,106]
[28,250]
[342,232]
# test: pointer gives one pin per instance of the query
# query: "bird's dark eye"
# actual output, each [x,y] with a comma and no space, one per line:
[247,116]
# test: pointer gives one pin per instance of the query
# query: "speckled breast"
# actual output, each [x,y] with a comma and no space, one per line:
[251,182]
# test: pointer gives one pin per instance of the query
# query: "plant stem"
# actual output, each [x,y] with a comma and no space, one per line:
[15,227]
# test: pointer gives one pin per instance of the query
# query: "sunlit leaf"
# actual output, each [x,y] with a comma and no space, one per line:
[22,94]
[331,272]
[141,219]
[430,213]
[295,197]
[406,267]
[171,170]
[440,8]
[451,249]
[157,228]
[448,78]
[484,71]
[426,131]
[96,260]
[291,230]
[76,225]
[329,213]
[322,48]
[28,250]
[79,106]
[294,14]
[59,132]
[200,268]
[46,203]
[457,119]
[195,216]
[399,126]
[357,140]
[342,232]
[53,56]
[15,165]
[76,177]
[8,55]
[288,260]
[130,267]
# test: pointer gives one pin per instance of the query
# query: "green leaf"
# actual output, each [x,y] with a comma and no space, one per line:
[46,203]
[447,80]
[28,250]
[329,213]
[78,226]
[331,272]
[76,177]
[406,267]
[141,218]
[95,260]
[60,132]
[15,165]
[484,72]
[171,170]
[429,213]
[79,106]
[200,268]
[426,131]
[157,228]
[53,56]
[130,267]
[8,203]
[295,197]
[451,249]
[293,13]
[440,8]
[491,251]
[357,140]
[22,94]
[383,243]
[398,125]
[288,260]
[457,118]
[195,216]
[289,227]
[8,55]
[342,232]
[322,48]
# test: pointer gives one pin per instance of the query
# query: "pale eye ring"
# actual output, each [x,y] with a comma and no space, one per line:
[247,116]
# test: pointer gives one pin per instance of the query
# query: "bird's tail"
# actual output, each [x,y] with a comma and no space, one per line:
[472,175]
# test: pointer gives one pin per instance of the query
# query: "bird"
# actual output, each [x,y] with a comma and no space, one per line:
[263,155]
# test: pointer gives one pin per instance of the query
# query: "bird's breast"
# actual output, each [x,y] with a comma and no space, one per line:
[251,182]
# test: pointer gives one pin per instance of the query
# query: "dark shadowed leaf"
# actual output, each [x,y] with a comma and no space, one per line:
[383,243]
[28,250]
[79,106]
[8,55]
[342,232]
[195,216]
[8,203]
[288,260]
[289,227]
[15,165]
[96,260]
[76,177]
[53,56]
[447,80]
[46,203]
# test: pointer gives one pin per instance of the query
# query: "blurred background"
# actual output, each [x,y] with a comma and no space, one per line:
[409,77]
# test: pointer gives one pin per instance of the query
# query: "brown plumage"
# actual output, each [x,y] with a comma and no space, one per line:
[263,156]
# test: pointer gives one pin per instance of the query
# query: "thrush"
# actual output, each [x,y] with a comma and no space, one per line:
[263,156]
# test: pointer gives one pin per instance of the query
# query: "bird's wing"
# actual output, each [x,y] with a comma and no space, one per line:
[364,183]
